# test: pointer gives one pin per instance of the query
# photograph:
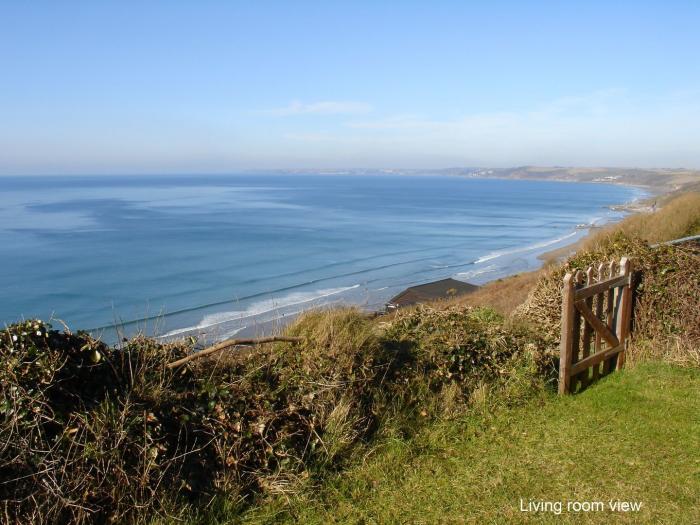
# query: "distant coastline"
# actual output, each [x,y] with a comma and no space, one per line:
[656,180]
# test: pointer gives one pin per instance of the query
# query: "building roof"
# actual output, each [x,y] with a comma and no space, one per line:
[430,291]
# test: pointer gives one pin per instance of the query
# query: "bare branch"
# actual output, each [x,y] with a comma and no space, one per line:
[231,343]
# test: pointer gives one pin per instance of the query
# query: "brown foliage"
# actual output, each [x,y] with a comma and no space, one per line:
[679,217]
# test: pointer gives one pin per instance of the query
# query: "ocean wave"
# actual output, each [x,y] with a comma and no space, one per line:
[259,308]
[188,329]
[480,271]
[267,305]
[536,246]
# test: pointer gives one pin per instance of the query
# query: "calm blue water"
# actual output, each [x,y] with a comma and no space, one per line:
[224,253]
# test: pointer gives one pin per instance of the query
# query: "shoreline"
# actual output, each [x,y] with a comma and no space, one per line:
[560,254]
[553,256]
[263,328]
[647,204]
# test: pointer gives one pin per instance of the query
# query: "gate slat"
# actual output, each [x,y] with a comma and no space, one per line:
[576,347]
[601,286]
[609,314]
[591,360]
[587,331]
[625,307]
[599,300]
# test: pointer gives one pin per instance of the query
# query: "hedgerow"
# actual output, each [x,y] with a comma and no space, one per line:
[91,433]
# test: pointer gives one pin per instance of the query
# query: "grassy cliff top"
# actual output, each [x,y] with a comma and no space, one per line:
[633,437]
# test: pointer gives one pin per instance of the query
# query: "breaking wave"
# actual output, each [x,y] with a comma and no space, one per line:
[536,246]
[259,308]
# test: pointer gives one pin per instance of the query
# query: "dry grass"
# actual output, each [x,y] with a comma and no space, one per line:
[679,350]
[503,295]
[679,217]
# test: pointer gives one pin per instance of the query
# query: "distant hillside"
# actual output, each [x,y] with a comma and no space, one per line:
[661,179]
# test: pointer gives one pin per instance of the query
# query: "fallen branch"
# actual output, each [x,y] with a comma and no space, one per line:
[230,343]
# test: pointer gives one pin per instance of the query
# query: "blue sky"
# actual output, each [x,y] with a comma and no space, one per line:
[162,87]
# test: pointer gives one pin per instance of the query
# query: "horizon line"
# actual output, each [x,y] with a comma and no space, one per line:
[329,170]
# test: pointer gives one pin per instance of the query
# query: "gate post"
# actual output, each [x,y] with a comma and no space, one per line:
[567,336]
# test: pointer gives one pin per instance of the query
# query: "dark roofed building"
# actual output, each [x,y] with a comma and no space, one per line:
[443,289]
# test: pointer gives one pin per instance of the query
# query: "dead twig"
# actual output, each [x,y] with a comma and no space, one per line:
[231,343]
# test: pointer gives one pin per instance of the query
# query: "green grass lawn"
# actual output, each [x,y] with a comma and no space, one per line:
[634,436]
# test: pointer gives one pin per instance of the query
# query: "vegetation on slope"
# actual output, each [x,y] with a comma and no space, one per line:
[92,434]
[679,217]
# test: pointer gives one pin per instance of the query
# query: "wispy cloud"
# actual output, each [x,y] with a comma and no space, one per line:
[610,127]
[598,104]
[326,107]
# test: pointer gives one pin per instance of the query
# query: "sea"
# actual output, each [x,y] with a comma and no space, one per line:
[215,256]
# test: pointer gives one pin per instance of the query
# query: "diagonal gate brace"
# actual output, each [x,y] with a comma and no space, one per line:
[597,324]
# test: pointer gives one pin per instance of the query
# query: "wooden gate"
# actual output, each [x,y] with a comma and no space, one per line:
[595,323]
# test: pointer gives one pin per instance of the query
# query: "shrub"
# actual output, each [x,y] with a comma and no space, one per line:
[78,436]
